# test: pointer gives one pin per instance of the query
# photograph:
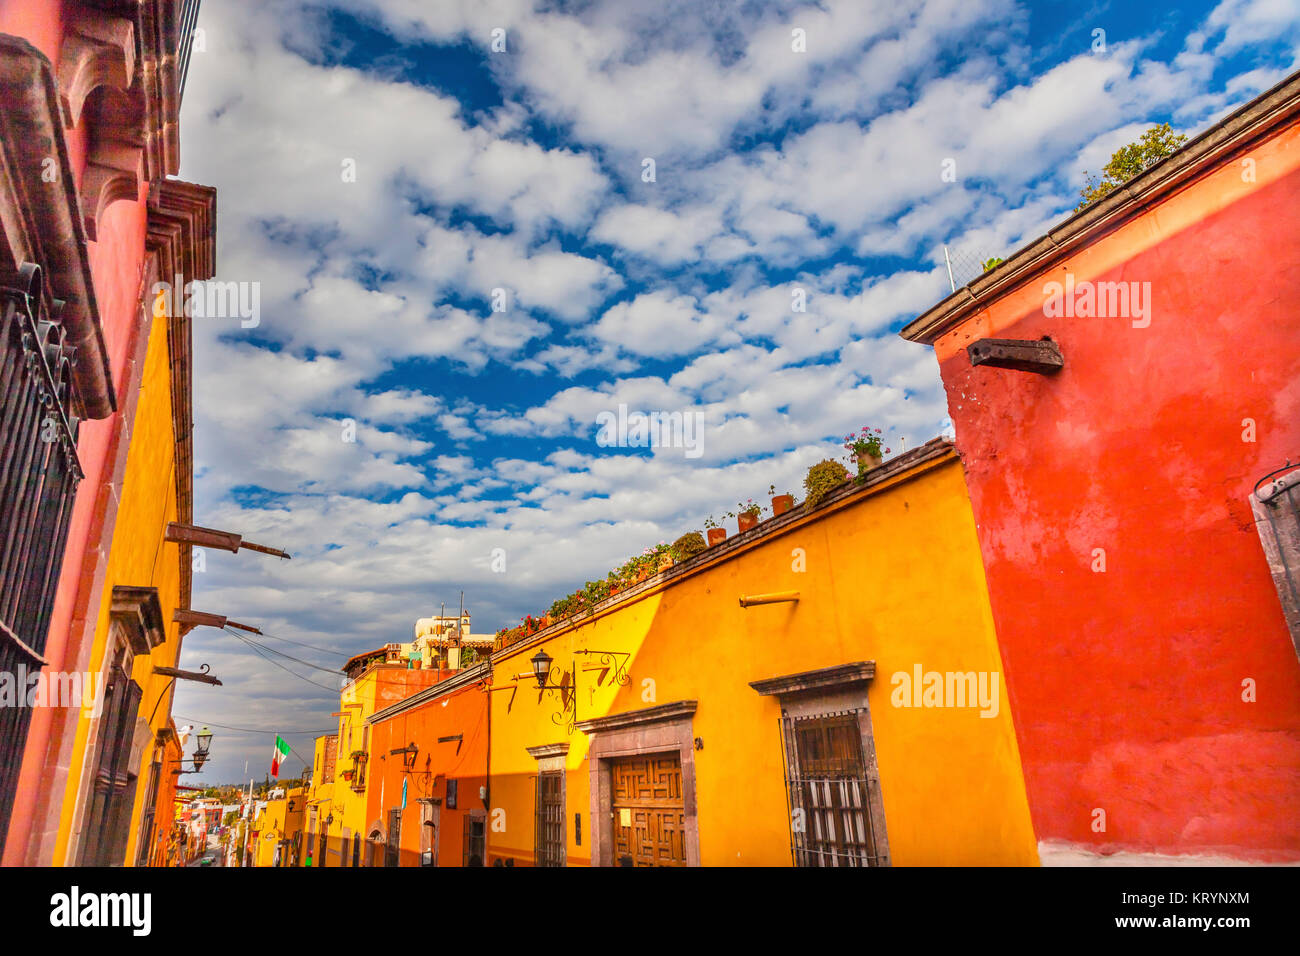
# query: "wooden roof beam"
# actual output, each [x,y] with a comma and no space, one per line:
[212,538]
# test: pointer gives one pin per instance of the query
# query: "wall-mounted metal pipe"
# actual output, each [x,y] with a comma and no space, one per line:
[777,597]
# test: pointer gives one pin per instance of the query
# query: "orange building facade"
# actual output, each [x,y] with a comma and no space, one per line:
[426,801]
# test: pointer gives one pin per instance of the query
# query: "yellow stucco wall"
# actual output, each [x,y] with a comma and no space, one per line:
[349,806]
[138,557]
[320,796]
[271,831]
[358,700]
[892,576]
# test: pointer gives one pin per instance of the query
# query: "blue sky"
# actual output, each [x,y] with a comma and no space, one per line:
[523,170]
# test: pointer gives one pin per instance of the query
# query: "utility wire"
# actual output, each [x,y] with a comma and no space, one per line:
[285,669]
[305,764]
[250,730]
[312,647]
[296,660]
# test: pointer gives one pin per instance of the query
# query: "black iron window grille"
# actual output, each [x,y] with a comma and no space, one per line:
[40,410]
[550,819]
[830,791]
[393,850]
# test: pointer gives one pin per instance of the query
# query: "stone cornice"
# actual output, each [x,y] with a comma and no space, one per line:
[819,681]
[40,212]
[181,239]
[679,710]
[548,751]
[139,612]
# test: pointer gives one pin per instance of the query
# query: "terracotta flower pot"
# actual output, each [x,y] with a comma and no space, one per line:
[717,536]
[781,504]
[546,621]
[665,562]
[746,520]
[642,575]
[868,461]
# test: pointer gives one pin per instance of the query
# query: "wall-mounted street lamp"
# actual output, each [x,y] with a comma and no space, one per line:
[542,668]
[408,754]
[202,743]
[541,664]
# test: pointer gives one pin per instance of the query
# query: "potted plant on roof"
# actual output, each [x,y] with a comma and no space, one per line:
[865,449]
[747,514]
[644,565]
[688,545]
[562,608]
[717,534]
[594,592]
[823,478]
[780,503]
[663,556]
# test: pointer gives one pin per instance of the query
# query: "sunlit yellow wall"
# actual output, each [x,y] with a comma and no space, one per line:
[320,795]
[893,577]
[271,832]
[139,557]
[349,806]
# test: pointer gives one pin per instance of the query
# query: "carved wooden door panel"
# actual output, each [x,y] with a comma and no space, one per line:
[649,816]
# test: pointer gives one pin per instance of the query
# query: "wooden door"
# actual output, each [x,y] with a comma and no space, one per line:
[649,817]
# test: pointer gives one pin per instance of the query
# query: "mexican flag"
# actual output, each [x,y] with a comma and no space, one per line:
[279,755]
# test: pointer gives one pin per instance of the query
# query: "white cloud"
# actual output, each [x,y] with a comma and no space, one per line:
[475,429]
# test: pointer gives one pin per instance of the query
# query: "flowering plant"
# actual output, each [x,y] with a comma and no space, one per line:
[865,442]
[749,508]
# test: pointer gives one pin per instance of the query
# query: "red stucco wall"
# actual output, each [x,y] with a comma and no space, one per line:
[116,264]
[1127,685]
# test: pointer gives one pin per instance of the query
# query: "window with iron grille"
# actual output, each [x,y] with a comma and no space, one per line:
[549,830]
[392,852]
[475,838]
[830,791]
[39,471]
[144,842]
[1276,503]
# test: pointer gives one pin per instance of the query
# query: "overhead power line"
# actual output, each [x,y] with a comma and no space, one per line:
[257,650]
[289,657]
[249,730]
